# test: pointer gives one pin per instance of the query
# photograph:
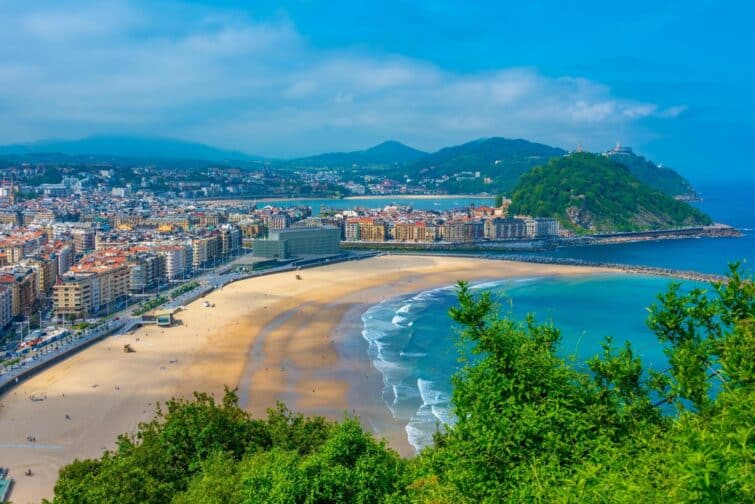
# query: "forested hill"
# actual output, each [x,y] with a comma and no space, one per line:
[592,193]
[658,177]
[385,154]
[499,160]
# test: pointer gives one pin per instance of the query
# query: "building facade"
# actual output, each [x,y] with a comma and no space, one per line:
[292,242]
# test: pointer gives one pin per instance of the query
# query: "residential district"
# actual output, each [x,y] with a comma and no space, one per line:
[74,252]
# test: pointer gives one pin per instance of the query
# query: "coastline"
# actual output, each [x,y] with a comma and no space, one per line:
[278,199]
[281,338]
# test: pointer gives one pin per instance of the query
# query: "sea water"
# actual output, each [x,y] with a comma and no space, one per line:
[415,346]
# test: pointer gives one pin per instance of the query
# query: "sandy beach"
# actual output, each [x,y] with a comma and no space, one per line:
[275,337]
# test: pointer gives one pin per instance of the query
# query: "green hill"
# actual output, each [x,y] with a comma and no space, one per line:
[501,160]
[385,154]
[661,178]
[592,193]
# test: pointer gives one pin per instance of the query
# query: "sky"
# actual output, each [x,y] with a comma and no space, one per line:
[672,79]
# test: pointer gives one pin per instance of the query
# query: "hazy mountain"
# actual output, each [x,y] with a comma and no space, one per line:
[385,154]
[128,147]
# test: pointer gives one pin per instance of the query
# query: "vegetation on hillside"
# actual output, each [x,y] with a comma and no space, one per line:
[663,179]
[531,426]
[385,154]
[502,160]
[592,193]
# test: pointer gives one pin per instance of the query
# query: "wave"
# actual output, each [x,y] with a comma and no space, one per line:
[428,394]
[413,365]
[413,355]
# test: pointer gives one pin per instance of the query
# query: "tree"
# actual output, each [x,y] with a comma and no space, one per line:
[530,426]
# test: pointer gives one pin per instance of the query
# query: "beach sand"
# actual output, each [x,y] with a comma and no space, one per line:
[275,337]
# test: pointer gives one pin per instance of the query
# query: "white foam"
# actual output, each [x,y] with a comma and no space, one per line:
[489,285]
[443,414]
[430,396]
[414,355]
[417,437]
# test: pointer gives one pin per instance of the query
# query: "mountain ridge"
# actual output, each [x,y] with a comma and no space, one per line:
[128,147]
[490,165]
[386,153]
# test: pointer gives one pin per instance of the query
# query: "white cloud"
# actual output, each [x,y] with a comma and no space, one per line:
[221,78]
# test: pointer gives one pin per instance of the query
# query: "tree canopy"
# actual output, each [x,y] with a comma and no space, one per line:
[530,426]
[592,193]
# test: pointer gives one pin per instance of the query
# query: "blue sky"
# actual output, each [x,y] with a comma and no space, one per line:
[672,79]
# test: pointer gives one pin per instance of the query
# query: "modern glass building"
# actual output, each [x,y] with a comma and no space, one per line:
[293,242]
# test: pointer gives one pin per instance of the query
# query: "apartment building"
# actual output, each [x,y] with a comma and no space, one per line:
[230,240]
[505,229]
[93,285]
[415,232]
[542,227]
[22,282]
[177,259]
[205,251]
[83,240]
[6,306]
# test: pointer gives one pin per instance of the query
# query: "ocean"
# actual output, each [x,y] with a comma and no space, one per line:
[413,344]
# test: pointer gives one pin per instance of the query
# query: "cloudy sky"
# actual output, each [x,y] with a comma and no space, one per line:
[285,79]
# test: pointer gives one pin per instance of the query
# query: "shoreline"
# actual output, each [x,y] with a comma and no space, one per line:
[313,358]
[278,199]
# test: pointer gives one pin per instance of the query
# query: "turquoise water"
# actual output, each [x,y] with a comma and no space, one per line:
[724,202]
[412,341]
[440,203]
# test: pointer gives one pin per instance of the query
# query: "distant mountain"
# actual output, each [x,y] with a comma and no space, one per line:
[593,193]
[128,147]
[385,154]
[661,178]
[500,160]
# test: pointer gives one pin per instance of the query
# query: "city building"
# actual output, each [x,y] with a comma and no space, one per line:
[6,306]
[279,221]
[293,242]
[230,240]
[96,284]
[83,240]
[177,260]
[22,282]
[205,251]
[505,229]
[542,227]
[416,232]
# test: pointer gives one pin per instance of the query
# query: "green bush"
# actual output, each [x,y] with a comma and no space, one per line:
[530,428]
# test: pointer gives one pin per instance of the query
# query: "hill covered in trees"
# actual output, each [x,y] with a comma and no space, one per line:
[383,155]
[531,426]
[662,178]
[499,161]
[592,193]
